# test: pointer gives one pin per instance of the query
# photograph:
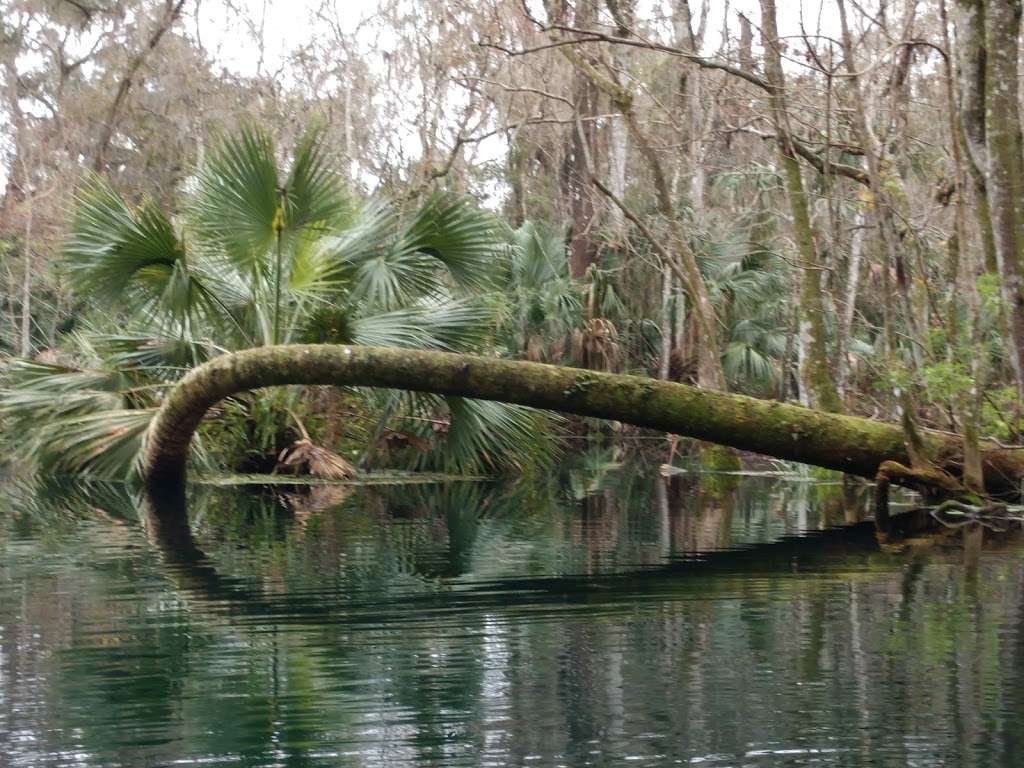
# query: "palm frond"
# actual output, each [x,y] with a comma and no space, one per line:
[60,419]
[485,436]
[447,242]
[111,247]
[106,444]
[313,193]
[538,256]
[466,239]
[313,272]
[377,272]
[392,281]
[238,197]
[165,356]
[446,325]
[52,380]
[132,259]
[745,363]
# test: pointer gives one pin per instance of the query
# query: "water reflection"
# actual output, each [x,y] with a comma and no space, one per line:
[589,622]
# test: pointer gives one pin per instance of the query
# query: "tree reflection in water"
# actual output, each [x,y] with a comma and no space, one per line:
[606,616]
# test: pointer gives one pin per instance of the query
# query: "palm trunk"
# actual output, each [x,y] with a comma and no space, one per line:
[789,432]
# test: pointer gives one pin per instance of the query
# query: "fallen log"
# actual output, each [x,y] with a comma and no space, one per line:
[846,443]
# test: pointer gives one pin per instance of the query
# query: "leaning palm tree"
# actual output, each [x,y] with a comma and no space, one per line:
[260,256]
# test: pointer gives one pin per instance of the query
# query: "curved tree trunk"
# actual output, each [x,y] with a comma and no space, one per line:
[790,432]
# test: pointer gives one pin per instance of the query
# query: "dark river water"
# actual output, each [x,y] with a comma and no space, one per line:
[607,618]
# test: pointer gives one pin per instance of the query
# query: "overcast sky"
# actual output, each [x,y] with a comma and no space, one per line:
[288,26]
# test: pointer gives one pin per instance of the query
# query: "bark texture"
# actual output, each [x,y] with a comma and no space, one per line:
[1005,156]
[846,443]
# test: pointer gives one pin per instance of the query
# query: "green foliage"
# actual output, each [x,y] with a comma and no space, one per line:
[62,417]
[946,380]
[997,414]
[485,435]
[749,285]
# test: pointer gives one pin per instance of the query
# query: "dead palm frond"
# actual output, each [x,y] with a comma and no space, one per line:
[304,457]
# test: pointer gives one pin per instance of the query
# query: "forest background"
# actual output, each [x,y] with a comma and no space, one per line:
[831,214]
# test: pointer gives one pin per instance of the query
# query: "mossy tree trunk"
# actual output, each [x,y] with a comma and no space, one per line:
[1004,178]
[834,441]
[969,20]
[815,375]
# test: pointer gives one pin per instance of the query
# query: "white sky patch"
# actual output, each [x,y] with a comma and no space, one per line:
[285,27]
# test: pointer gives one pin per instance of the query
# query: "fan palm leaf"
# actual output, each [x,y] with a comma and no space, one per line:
[447,325]
[105,444]
[485,435]
[466,239]
[133,259]
[238,198]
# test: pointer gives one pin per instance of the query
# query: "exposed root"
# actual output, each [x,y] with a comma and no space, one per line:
[954,505]
[931,482]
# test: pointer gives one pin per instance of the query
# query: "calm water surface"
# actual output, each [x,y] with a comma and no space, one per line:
[603,619]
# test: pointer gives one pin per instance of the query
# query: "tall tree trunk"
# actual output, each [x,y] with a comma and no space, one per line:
[815,374]
[1004,176]
[693,112]
[577,190]
[882,213]
[664,364]
[849,305]
[618,150]
[963,281]
[516,174]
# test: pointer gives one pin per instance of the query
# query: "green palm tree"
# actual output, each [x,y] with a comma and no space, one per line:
[545,303]
[259,256]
